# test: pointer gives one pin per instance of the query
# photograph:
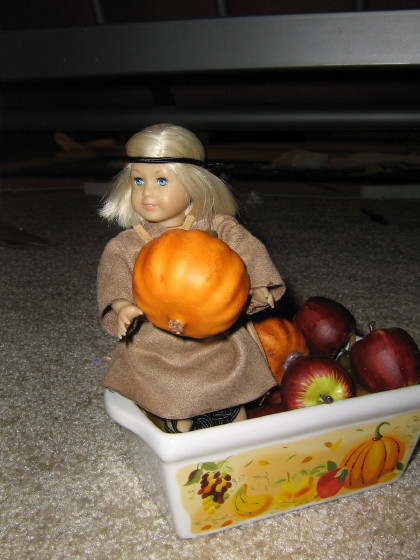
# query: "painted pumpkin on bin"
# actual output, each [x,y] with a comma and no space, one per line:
[279,338]
[369,461]
[190,283]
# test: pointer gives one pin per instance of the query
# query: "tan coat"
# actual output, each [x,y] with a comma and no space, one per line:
[175,377]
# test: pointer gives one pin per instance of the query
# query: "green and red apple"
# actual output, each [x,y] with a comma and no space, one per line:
[312,380]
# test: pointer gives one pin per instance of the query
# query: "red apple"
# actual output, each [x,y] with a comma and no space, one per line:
[386,359]
[265,409]
[326,325]
[312,380]
[331,482]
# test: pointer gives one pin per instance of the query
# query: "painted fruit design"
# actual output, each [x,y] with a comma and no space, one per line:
[370,460]
[331,482]
[296,492]
[250,506]
[214,489]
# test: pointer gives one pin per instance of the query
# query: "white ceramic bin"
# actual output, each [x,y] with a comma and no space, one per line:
[214,479]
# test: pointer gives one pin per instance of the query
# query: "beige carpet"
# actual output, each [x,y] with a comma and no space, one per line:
[68,490]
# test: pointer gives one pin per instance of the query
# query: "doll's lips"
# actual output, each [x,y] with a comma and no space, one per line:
[149,206]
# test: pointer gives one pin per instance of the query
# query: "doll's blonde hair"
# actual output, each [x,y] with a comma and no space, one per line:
[208,194]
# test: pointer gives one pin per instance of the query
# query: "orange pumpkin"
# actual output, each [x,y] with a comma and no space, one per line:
[279,337]
[190,283]
[372,459]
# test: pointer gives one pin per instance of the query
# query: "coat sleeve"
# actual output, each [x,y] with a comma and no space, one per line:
[261,269]
[114,282]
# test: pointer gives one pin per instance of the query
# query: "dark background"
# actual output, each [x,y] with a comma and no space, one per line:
[335,89]
[38,14]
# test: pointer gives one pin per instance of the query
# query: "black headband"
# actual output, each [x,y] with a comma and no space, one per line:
[191,161]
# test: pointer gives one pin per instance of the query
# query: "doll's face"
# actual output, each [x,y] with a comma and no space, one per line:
[157,195]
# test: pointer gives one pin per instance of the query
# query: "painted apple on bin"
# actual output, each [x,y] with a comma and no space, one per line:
[386,359]
[312,380]
[326,325]
[332,481]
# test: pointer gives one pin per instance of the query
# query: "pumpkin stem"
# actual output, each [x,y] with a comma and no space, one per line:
[378,434]
[175,327]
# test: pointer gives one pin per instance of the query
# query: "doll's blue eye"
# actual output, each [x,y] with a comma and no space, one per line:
[138,181]
[162,181]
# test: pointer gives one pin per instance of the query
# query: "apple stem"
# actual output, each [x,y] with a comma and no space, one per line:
[372,326]
[352,339]
[326,399]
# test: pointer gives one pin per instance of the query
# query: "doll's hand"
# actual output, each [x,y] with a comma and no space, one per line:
[262,295]
[126,313]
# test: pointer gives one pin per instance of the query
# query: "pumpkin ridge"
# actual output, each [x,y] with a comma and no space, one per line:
[401,448]
[351,462]
[369,476]
[231,302]
[362,456]
[279,338]
[395,452]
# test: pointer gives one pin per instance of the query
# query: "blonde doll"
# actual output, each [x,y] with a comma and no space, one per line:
[187,383]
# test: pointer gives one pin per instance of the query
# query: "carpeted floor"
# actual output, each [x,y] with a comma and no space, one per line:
[68,489]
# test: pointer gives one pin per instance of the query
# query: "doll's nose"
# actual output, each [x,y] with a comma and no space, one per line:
[147,188]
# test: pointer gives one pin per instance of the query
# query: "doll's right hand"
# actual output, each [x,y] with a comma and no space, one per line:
[126,313]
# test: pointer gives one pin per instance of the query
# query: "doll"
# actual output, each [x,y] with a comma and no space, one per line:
[182,383]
